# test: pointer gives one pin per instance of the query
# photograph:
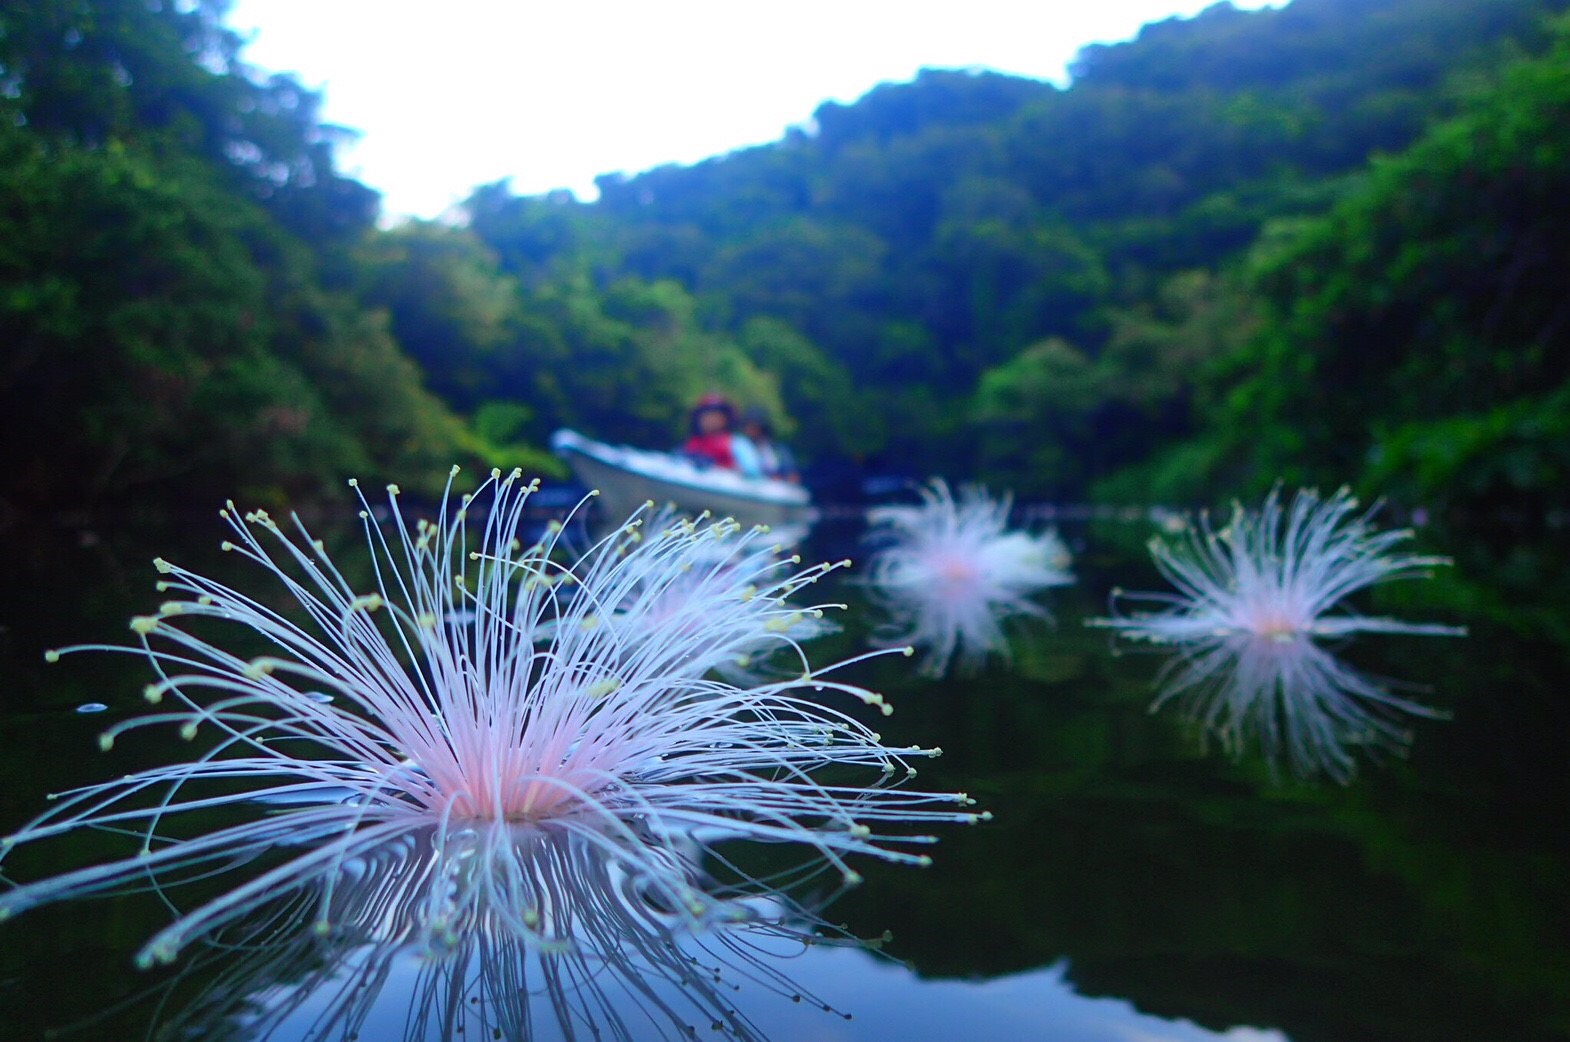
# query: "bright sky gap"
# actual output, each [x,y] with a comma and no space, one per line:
[553,95]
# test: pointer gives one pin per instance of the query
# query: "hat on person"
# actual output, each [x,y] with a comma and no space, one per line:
[713,403]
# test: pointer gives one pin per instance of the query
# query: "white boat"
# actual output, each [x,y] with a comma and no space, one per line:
[627,478]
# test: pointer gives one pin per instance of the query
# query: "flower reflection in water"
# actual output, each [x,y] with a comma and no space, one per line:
[1254,597]
[497,931]
[483,684]
[948,573]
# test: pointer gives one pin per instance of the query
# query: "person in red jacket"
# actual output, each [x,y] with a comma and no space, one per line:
[710,437]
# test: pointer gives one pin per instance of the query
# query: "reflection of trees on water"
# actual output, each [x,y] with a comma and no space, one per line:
[539,934]
[1418,904]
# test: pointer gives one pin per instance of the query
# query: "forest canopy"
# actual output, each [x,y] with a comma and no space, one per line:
[1321,243]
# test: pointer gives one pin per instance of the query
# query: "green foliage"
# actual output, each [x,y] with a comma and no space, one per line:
[168,76]
[500,438]
[450,307]
[167,331]
[1419,333]
[163,334]
[1183,277]
[1510,453]
[922,245]
[826,415]
[1057,419]
[1036,409]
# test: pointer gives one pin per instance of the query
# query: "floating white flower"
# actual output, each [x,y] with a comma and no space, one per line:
[762,623]
[1253,599]
[951,571]
[483,682]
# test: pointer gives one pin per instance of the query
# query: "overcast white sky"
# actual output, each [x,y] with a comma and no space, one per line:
[454,94]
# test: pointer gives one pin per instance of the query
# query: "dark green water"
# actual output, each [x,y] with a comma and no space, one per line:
[1133,884]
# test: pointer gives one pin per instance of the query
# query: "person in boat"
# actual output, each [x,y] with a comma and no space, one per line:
[774,459]
[713,441]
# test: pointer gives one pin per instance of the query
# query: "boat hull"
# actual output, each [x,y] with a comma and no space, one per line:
[627,478]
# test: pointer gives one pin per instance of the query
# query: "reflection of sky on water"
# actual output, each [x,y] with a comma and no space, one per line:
[882,998]
[888,1002]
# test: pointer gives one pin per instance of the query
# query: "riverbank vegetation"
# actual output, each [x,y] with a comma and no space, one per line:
[1320,243]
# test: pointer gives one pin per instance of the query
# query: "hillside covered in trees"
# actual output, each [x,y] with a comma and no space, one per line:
[1325,242]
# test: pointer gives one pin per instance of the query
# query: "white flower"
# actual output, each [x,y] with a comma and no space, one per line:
[765,630]
[1253,599]
[951,572]
[482,682]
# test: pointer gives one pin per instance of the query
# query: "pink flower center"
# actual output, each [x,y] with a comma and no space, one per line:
[955,570]
[522,783]
[1275,624]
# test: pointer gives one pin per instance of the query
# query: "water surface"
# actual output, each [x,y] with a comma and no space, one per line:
[1135,883]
